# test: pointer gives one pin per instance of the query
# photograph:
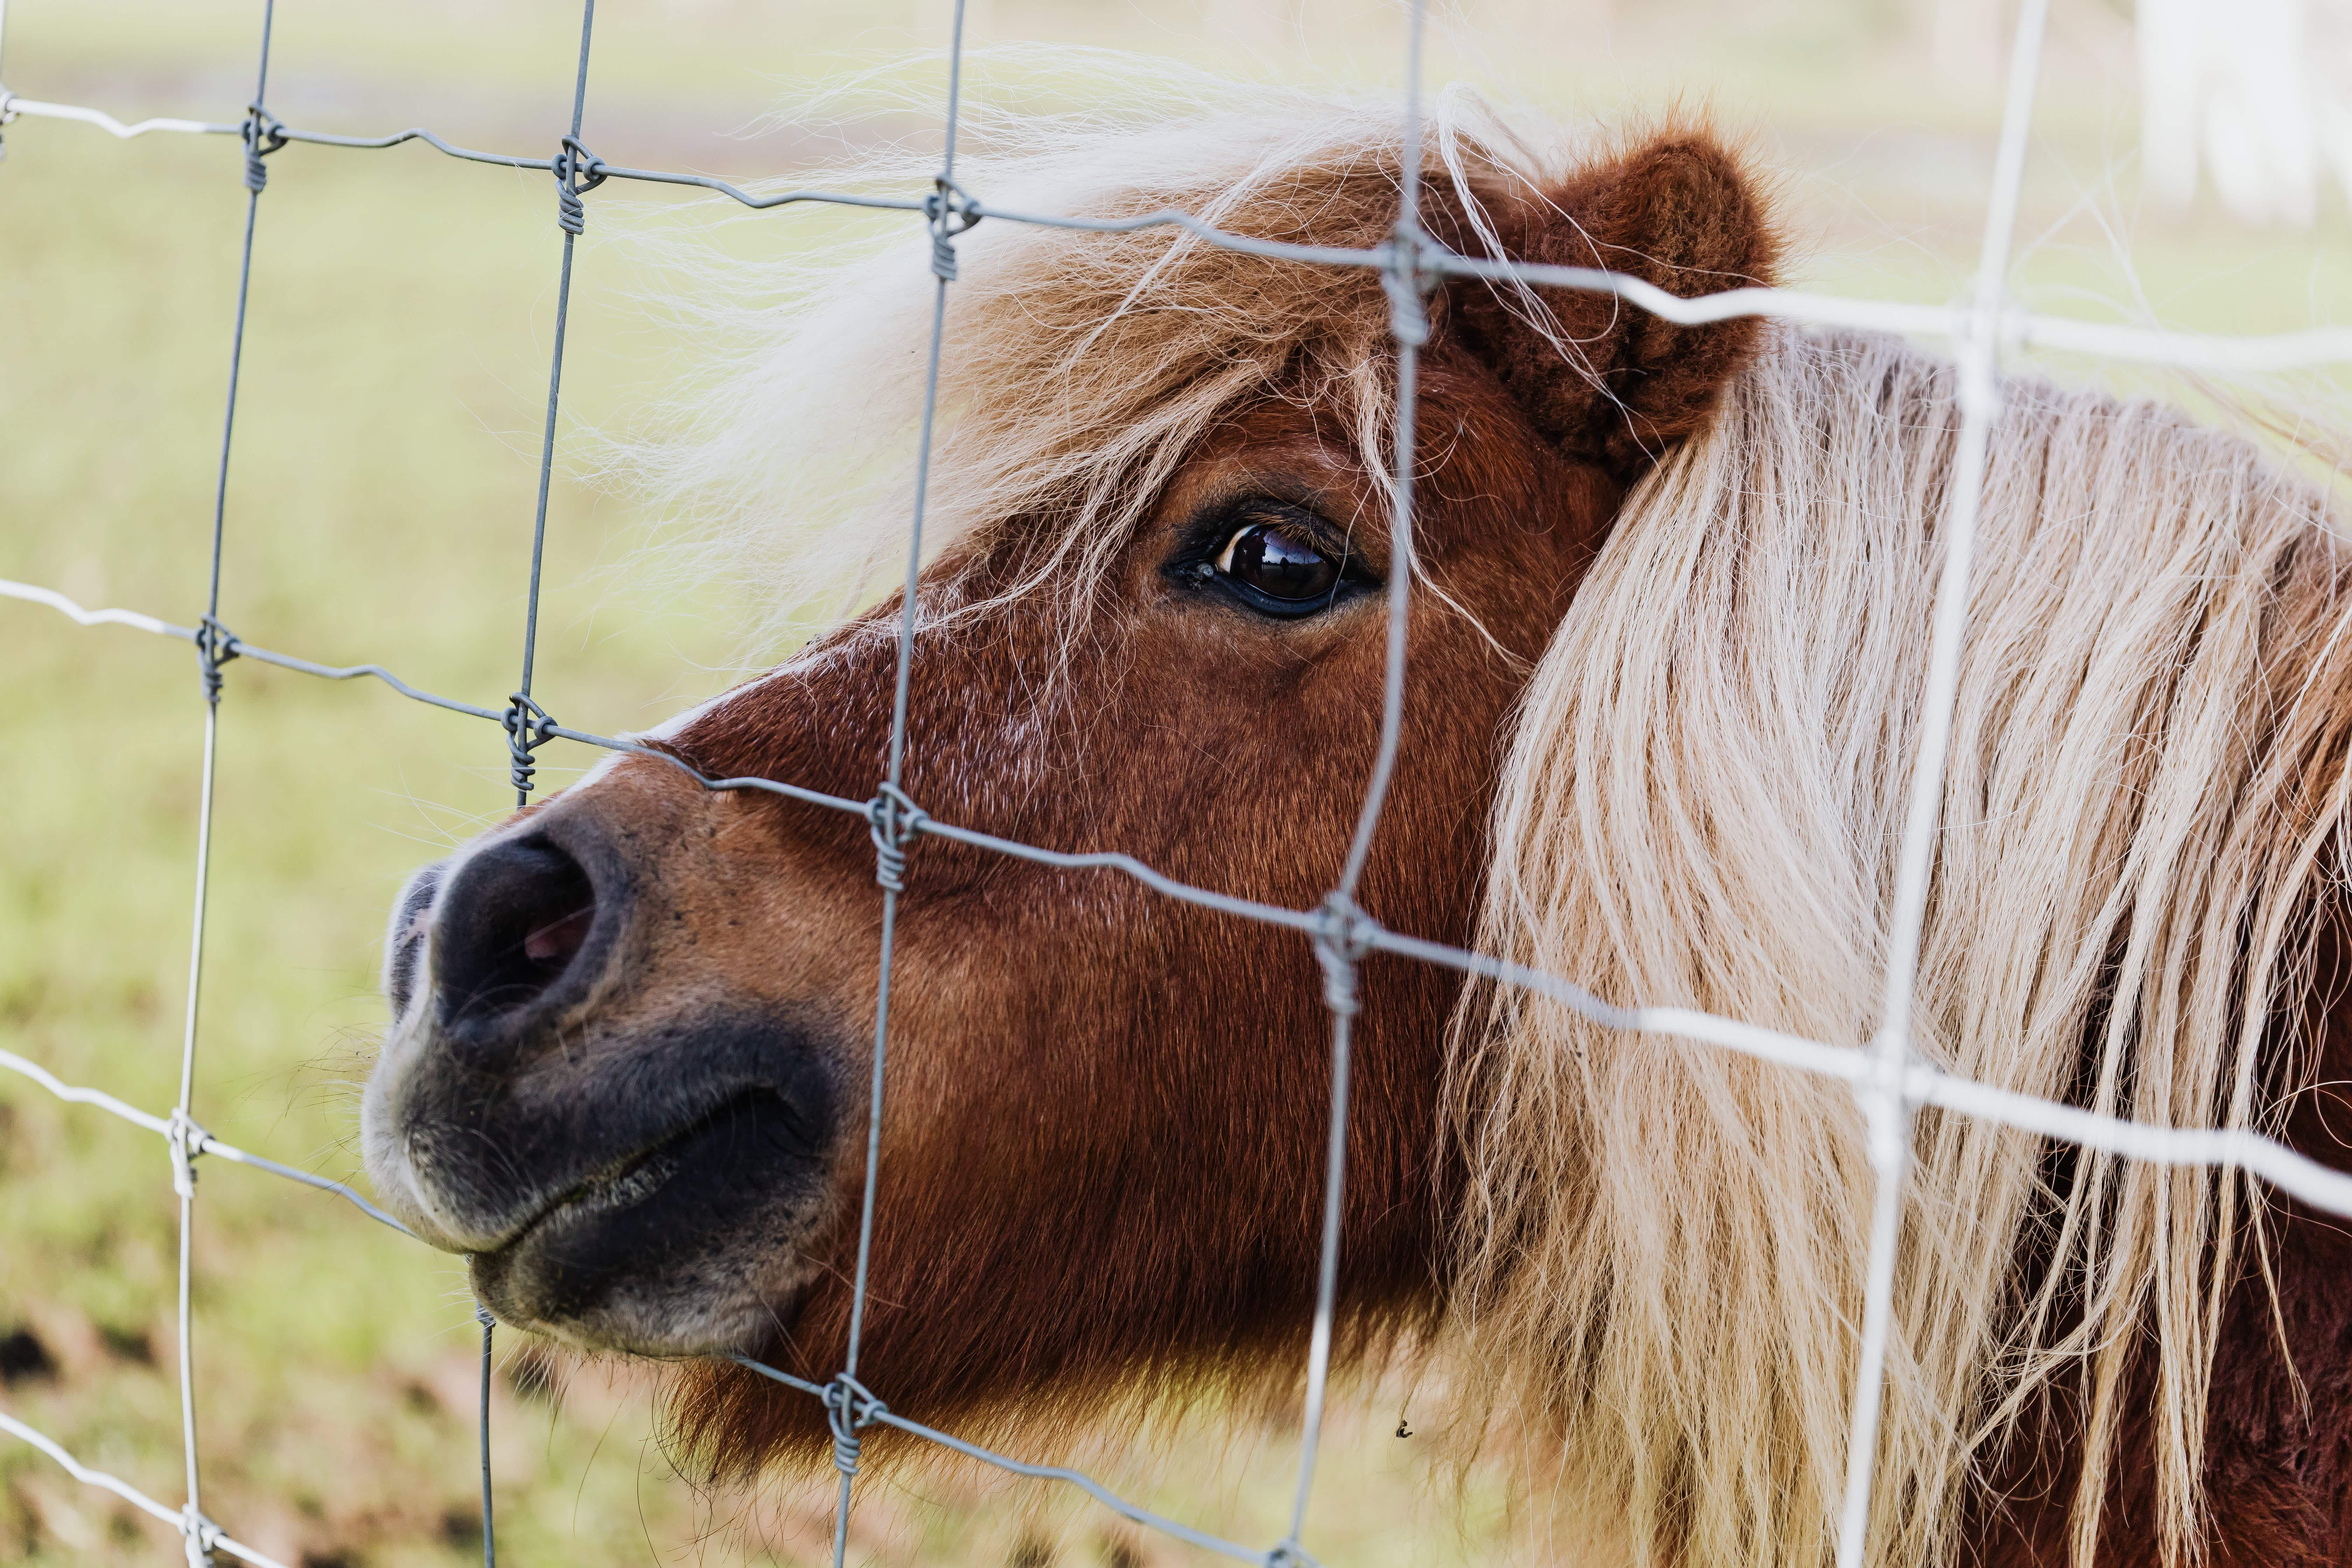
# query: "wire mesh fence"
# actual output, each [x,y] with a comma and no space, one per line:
[1888,1082]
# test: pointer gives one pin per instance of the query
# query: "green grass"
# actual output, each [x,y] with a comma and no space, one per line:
[380,508]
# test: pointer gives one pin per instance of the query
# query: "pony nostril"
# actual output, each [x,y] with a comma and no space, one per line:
[556,943]
[508,930]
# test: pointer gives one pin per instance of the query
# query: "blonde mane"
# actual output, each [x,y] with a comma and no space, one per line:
[1662,1244]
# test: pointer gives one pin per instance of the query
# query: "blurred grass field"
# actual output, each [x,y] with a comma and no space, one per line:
[378,508]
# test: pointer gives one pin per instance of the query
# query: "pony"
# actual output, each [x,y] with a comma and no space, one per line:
[1671,592]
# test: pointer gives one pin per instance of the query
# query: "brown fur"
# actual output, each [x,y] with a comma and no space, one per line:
[2278,1461]
[1680,213]
[1149,1013]
[1202,1067]
[1100,1167]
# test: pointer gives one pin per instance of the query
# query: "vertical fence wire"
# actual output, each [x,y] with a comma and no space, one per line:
[213,649]
[1886,1109]
[893,816]
[527,722]
[575,170]
[1340,944]
[182,1151]
[1403,280]
[489,1534]
[1888,1083]
[184,1175]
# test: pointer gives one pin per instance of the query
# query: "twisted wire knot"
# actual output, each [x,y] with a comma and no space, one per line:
[849,1409]
[263,134]
[891,820]
[187,1139]
[1343,935]
[215,645]
[198,1536]
[1880,1092]
[1289,1555]
[950,211]
[529,727]
[1405,277]
[482,1316]
[577,171]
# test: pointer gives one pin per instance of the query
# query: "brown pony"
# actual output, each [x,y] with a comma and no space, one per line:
[1671,590]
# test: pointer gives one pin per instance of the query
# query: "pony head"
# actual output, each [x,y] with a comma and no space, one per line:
[629,1069]
[1671,595]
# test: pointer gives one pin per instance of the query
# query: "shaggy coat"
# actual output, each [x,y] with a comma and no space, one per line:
[1671,600]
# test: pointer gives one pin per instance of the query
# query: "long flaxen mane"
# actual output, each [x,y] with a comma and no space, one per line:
[1663,1244]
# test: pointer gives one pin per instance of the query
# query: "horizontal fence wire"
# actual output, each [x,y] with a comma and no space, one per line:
[2248,354]
[199,1141]
[206,1537]
[1889,1083]
[2322,1186]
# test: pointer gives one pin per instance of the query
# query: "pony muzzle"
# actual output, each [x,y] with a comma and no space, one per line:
[578,1095]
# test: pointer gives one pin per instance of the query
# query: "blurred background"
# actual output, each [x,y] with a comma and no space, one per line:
[380,508]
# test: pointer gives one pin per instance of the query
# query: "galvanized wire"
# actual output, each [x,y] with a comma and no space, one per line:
[576,171]
[893,819]
[1886,1110]
[489,1534]
[183,1135]
[1888,1082]
[202,1532]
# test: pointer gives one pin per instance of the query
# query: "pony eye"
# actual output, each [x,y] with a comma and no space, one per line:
[1279,567]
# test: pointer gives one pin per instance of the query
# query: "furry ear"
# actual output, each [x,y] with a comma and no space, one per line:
[1605,381]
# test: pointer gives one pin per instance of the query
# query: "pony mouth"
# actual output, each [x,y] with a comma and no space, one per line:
[695,1211]
[633,1178]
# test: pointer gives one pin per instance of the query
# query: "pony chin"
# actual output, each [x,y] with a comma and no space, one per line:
[688,1314]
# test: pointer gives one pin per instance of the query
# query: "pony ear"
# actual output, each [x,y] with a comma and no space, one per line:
[1604,381]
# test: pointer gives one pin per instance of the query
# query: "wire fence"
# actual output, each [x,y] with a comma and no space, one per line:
[1888,1083]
